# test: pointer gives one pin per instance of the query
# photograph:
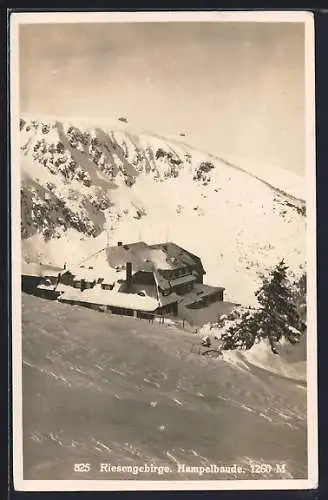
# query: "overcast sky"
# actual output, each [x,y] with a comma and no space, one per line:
[233,88]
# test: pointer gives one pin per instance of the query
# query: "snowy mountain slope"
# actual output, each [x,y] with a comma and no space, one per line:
[286,182]
[82,184]
[111,389]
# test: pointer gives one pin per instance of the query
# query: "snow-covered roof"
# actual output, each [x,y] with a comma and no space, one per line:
[136,253]
[31,269]
[176,255]
[199,292]
[37,269]
[97,295]
[85,274]
[149,257]
[107,274]
[169,299]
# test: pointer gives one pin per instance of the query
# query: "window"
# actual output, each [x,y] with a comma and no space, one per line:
[107,286]
[89,284]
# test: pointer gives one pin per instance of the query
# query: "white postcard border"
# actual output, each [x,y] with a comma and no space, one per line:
[16,19]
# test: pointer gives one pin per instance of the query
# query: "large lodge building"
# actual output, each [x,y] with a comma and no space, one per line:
[139,279]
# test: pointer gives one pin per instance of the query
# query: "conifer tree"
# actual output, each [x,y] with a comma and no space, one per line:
[277,317]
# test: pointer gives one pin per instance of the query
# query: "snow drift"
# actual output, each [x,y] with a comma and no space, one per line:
[115,389]
[289,363]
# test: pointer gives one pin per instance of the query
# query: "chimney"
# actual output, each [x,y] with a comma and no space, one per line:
[128,273]
[119,243]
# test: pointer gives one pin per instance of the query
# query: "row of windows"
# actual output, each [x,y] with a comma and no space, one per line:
[87,284]
[84,285]
[182,271]
[177,273]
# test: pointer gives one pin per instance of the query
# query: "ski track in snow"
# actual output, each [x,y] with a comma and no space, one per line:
[199,412]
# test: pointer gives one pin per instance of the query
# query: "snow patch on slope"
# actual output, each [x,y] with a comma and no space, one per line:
[285,180]
[290,363]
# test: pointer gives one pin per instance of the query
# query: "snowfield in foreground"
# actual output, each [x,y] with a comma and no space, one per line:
[80,183]
[102,388]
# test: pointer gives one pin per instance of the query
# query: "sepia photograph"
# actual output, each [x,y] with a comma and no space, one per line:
[164,250]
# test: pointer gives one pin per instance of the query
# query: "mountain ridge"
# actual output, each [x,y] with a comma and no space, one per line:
[94,122]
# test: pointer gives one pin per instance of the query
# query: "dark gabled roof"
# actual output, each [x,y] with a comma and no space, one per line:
[178,254]
[136,253]
[145,257]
